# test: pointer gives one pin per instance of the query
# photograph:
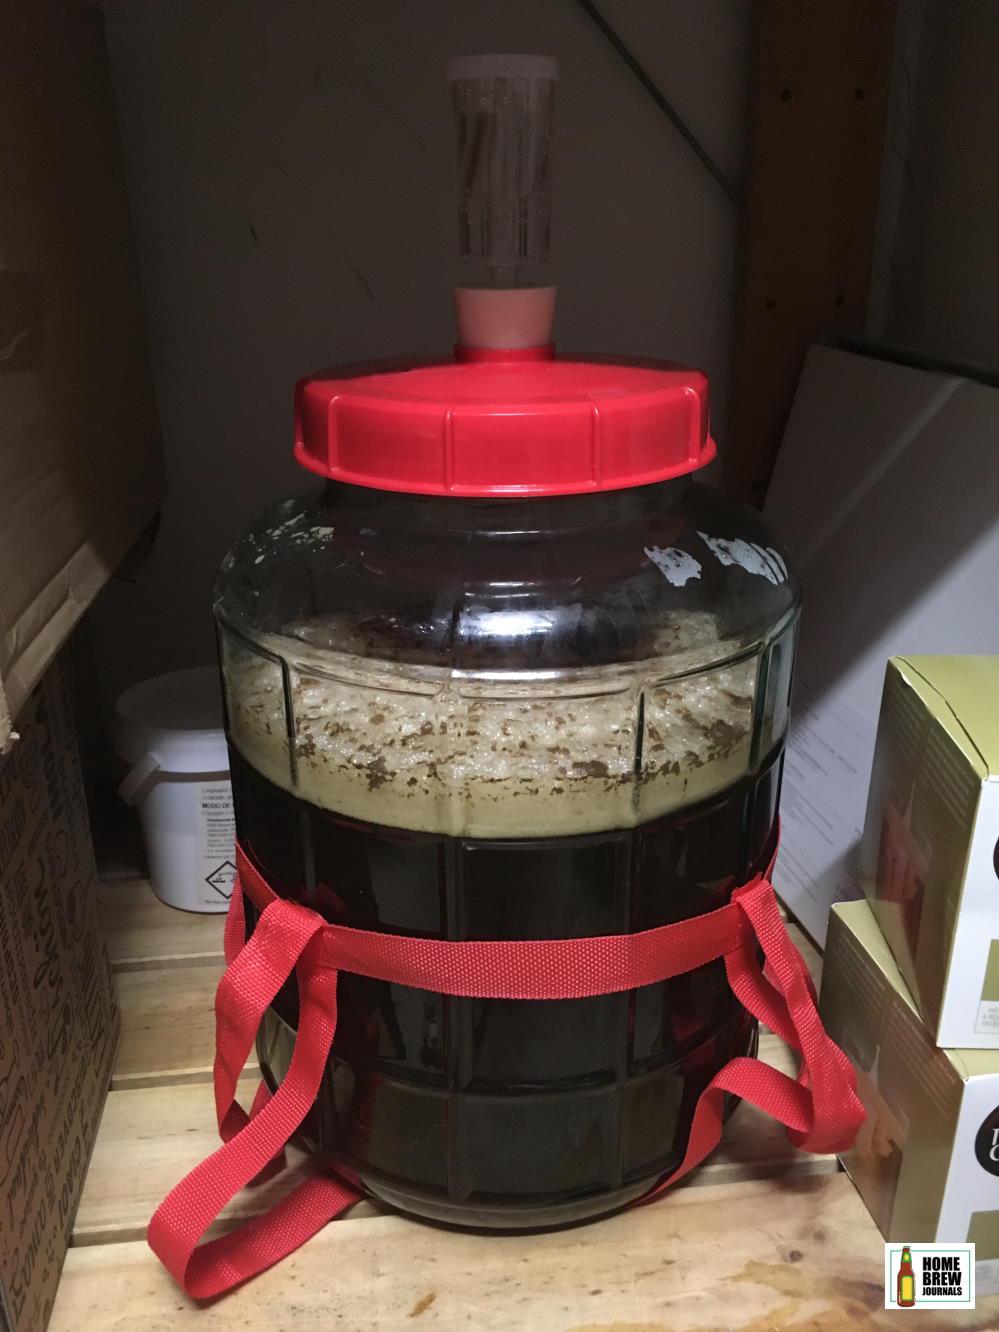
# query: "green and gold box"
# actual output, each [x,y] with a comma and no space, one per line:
[929,855]
[926,1162]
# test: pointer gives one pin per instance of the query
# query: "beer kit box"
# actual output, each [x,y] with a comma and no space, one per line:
[929,861]
[58,1021]
[926,1162]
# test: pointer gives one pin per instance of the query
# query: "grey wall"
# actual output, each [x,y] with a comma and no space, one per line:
[290,171]
[940,201]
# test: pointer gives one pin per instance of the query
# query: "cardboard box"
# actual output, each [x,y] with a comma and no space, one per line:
[80,467]
[926,1162]
[928,857]
[886,493]
[58,1022]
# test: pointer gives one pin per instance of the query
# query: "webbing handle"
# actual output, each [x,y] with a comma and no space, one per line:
[252,979]
[820,1108]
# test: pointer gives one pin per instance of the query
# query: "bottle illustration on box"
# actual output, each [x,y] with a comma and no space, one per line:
[905,1290]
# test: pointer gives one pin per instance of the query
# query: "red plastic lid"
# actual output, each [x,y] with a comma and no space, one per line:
[503,424]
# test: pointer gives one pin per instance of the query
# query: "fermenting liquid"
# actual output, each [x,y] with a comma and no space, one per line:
[452,806]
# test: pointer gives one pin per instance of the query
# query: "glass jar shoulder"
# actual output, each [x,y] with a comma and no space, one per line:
[582,583]
[507,669]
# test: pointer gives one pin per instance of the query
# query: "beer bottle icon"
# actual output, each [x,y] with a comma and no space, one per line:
[905,1290]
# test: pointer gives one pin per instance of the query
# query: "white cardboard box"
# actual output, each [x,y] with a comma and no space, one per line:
[928,857]
[926,1161]
[887,494]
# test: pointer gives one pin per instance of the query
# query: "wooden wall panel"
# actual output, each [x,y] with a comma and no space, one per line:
[818,104]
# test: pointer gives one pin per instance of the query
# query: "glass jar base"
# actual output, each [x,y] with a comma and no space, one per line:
[505,1216]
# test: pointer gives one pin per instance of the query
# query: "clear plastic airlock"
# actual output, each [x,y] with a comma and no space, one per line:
[503,108]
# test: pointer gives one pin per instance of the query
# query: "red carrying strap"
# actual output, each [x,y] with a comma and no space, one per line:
[820,1108]
[230,1114]
[284,939]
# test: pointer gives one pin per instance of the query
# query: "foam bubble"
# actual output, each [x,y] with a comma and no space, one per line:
[471,755]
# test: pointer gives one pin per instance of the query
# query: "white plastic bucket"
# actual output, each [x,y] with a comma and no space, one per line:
[169,731]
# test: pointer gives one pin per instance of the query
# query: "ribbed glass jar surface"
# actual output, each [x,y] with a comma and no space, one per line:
[509,718]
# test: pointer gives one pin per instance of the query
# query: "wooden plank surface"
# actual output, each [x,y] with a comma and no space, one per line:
[760,1237]
[794,1254]
[168,1024]
[148,1140]
[150,1137]
[144,933]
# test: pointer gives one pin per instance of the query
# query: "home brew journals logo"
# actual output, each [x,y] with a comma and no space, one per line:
[924,1276]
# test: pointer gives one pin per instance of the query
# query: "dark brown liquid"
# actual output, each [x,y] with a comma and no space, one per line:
[492,1111]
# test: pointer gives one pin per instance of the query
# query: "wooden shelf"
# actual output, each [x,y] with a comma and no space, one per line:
[760,1237]
[144,935]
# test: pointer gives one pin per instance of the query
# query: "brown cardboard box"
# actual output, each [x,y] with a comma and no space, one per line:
[58,1022]
[81,474]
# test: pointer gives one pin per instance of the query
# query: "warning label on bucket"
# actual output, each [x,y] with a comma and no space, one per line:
[216,844]
[221,879]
